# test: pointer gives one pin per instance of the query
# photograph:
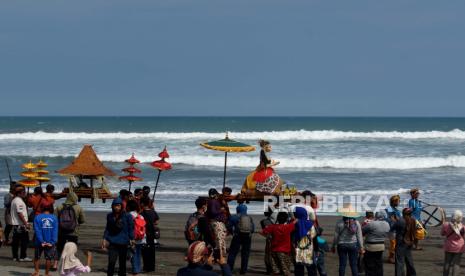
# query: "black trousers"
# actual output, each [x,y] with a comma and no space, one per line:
[117,252]
[299,270]
[243,243]
[148,257]
[373,263]
[7,231]
[20,240]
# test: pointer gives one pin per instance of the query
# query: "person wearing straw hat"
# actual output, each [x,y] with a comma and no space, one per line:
[415,205]
[348,239]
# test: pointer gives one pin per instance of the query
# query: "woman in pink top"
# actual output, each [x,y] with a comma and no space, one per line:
[70,265]
[454,244]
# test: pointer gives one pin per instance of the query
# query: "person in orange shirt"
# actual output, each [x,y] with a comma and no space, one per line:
[34,200]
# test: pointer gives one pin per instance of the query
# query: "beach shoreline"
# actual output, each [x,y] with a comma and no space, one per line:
[170,255]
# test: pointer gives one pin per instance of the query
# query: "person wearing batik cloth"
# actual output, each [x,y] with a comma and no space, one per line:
[415,204]
[267,181]
[306,243]
[393,214]
[217,221]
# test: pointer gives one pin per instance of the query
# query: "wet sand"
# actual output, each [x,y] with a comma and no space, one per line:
[170,255]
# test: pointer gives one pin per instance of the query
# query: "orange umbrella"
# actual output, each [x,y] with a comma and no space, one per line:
[160,165]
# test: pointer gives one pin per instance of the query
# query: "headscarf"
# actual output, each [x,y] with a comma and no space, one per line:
[303,224]
[71,199]
[68,258]
[196,252]
[117,201]
[456,221]
[241,209]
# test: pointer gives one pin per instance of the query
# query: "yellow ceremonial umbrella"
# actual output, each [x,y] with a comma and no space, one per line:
[227,145]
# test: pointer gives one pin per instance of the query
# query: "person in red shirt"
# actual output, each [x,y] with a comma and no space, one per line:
[280,244]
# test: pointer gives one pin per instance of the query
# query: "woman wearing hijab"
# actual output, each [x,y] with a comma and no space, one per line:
[305,243]
[454,246]
[70,265]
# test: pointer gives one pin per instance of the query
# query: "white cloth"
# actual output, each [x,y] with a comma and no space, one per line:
[68,259]
[18,207]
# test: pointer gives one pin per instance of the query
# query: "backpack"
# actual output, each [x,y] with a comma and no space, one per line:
[245,224]
[420,232]
[191,231]
[67,219]
[139,227]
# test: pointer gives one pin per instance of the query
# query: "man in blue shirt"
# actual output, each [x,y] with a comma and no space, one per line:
[415,204]
[242,227]
[46,231]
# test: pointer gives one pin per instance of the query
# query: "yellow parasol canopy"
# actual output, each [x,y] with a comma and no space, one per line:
[29,166]
[41,172]
[29,174]
[42,178]
[29,182]
[41,164]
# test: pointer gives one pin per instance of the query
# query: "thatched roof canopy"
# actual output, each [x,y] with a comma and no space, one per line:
[87,164]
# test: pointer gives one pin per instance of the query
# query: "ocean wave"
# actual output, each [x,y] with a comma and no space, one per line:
[382,163]
[298,135]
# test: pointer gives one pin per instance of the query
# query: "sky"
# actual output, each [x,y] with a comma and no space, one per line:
[232,58]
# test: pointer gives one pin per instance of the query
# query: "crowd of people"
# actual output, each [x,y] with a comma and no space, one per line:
[131,230]
[294,238]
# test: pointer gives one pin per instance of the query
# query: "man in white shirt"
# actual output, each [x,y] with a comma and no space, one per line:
[20,225]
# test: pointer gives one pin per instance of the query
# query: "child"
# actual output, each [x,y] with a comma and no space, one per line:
[280,244]
[323,247]
[70,265]
[46,231]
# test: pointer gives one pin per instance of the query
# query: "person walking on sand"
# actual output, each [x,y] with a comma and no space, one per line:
[348,240]
[151,220]
[264,223]
[118,235]
[306,244]
[139,235]
[242,228]
[454,244]
[405,228]
[146,194]
[70,217]
[46,236]
[375,233]
[196,228]
[70,265]
[280,244]
[217,221]
[21,227]
[415,205]
[7,199]
[393,214]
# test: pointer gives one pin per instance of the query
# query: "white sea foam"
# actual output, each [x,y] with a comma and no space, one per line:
[388,163]
[299,135]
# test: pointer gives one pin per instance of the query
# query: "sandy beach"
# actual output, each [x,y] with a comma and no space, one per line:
[170,256]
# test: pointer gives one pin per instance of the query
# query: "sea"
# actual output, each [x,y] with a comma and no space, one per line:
[331,156]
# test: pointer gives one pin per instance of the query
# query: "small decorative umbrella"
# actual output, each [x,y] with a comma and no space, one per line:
[160,165]
[227,145]
[41,173]
[29,176]
[131,170]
